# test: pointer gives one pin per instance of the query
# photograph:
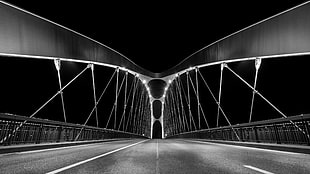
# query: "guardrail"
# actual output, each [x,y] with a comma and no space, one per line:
[290,130]
[15,129]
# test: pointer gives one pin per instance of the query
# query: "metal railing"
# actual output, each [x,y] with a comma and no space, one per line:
[34,130]
[290,130]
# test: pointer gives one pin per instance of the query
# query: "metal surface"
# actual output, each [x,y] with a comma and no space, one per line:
[219,96]
[285,34]
[257,66]
[23,34]
[94,91]
[57,63]
[36,130]
[280,130]
[156,156]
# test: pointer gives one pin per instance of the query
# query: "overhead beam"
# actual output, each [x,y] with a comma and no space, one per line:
[281,35]
[26,35]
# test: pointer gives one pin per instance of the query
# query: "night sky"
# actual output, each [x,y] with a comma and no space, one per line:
[155,35]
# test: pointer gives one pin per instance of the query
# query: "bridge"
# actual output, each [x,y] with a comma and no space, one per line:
[238,105]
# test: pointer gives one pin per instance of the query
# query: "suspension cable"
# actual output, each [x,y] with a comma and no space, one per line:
[183,110]
[138,111]
[197,94]
[169,113]
[94,91]
[116,96]
[125,104]
[146,113]
[199,105]
[142,113]
[125,100]
[205,82]
[190,112]
[219,97]
[174,112]
[258,93]
[135,110]
[108,84]
[57,63]
[257,66]
[177,106]
[136,81]
[174,121]
[50,99]
[115,102]
[189,100]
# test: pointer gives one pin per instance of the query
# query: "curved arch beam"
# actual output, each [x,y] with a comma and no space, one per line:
[23,34]
[284,34]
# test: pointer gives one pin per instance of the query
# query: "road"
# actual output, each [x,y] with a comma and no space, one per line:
[155,156]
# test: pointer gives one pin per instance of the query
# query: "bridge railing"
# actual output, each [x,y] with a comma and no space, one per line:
[290,130]
[37,131]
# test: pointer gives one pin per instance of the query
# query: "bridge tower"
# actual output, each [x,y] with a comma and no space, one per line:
[157,88]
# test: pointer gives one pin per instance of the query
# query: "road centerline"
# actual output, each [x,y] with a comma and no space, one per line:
[157,154]
[94,158]
[157,158]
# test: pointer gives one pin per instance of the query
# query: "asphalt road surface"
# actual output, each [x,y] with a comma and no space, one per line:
[155,156]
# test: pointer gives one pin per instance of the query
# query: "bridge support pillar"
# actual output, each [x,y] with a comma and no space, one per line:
[161,84]
[160,119]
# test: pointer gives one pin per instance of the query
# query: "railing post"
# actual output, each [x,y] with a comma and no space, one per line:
[59,130]
[276,134]
[9,132]
[241,134]
[27,133]
[305,123]
[256,134]
[38,137]
[223,135]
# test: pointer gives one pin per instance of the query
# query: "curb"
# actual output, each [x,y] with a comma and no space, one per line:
[29,147]
[280,147]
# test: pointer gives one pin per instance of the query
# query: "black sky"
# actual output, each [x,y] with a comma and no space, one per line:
[155,34]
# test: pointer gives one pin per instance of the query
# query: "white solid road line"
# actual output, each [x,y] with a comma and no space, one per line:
[66,147]
[55,148]
[257,169]
[93,158]
[245,147]
[45,150]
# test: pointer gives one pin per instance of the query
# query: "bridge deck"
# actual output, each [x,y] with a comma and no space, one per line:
[155,156]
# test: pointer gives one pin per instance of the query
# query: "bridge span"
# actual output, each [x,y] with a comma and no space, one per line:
[73,105]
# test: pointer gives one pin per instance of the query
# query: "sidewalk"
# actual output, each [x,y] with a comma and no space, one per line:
[29,147]
[281,147]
